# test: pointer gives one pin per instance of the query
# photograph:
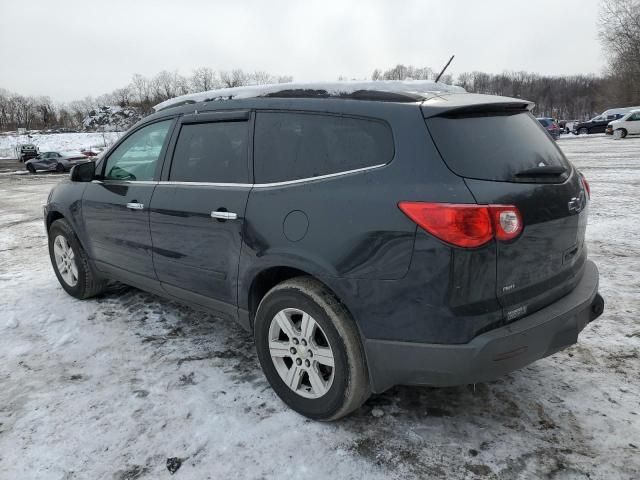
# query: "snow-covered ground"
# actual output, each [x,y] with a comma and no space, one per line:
[113,387]
[57,142]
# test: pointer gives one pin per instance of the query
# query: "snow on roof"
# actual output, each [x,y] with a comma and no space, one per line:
[418,88]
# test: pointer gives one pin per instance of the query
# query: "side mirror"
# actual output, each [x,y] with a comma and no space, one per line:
[84,172]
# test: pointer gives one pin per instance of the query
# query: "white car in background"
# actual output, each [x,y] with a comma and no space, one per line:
[627,125]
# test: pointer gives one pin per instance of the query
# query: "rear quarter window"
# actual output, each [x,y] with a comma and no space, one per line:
[493,146]
[292,146]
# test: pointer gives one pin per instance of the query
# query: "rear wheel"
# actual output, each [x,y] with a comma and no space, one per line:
[583,131]
[310,350]
[71,264]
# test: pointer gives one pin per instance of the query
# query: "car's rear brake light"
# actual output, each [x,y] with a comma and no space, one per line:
[507,221]
[586,185]
[465,225]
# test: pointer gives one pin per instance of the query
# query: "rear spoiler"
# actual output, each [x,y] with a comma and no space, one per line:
[472,104]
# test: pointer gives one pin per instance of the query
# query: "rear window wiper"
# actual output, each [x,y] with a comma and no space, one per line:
[544,171]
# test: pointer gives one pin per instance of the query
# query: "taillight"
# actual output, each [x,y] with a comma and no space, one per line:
[465,225]
[507,221]
[586,185]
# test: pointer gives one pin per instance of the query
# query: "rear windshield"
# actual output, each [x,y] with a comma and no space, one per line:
[493,146]
[544,122]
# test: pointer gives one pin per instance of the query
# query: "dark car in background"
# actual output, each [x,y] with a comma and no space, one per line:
[367,238]
[595,125]
[26,152]
[55,161]
[550,126]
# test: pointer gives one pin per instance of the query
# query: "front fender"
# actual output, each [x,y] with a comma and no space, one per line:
[65,200]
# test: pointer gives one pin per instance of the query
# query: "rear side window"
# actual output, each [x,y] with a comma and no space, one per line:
[493,146]
[212,153]
[291,146]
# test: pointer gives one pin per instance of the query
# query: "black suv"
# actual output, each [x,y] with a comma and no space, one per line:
[595,125]
[367,239]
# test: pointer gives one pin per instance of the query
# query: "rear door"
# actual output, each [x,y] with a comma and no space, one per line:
[197,211]
[506,158]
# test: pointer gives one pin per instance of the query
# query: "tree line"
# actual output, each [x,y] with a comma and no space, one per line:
[566,97]
[39,112]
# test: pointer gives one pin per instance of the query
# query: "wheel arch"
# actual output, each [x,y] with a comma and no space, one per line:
[268,277]
[52,216]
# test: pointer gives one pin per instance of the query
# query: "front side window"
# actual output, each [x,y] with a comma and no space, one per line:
[634,117]
[292,146]
[211,152]
[137,157]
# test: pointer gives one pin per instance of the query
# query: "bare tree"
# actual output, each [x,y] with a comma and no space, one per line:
[620,37]
[235,78]
[203,79]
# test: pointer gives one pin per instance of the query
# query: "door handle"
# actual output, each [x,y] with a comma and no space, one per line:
[224,215]
[135,205]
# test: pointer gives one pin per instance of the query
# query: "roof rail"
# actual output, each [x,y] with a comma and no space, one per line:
[381,90]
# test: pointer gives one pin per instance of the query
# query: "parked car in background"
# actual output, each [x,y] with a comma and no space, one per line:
[595,125]
[629,124]
[360,240]
[55,161]
[26,152]
[567,125]
[550,126]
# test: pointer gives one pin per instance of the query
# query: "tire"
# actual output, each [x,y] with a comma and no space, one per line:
[623,132]
[583,131]
[343,387]
[60,168]
[31,168]
[87,283]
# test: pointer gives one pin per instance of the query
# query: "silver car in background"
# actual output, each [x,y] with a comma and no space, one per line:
[55,161]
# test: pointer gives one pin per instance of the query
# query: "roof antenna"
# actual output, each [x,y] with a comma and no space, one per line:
[445,67]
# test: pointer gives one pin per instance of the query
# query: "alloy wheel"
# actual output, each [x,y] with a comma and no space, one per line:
[65,260]
[301,353]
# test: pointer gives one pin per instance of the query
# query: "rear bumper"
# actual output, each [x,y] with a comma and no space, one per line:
[491,354]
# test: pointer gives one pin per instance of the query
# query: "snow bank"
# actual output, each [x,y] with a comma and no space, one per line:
[413,87]
[111,118]
[57,142]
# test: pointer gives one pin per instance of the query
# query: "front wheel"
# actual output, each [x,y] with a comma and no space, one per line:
[71,264]
[310,350]
[31,168]
[619,133]
[60,168]
[583,131]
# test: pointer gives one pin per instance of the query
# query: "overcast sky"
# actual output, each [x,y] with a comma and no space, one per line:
[74,48]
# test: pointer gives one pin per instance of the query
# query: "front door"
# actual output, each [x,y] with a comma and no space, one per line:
[115,208]
[633,124]
[197,211]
